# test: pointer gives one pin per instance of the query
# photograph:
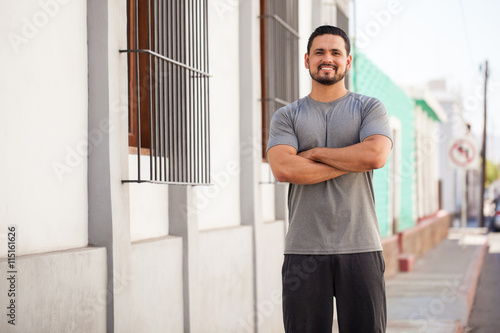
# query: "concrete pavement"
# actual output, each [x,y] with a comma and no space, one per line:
[437,295]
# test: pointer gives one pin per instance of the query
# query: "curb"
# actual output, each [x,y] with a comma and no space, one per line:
[476,272]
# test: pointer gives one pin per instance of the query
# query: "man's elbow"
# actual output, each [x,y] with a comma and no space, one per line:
[282,176]
[282,172]
[379,150]
[377,162]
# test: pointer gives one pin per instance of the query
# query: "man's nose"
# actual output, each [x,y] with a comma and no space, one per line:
[328,58]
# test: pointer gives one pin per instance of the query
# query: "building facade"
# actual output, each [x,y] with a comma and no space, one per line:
[136,184]
[136,196]
[407,191]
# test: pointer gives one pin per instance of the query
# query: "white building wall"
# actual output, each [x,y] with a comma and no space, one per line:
[43,124]
[154,269]
[451,179]
[149,204]
[306,27]
[427,167]
[148,211]
[218,205]
[267,193]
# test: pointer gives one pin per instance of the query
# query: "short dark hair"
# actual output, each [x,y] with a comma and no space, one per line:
[329,30]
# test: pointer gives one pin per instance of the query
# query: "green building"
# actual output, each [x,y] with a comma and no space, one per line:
[406,189]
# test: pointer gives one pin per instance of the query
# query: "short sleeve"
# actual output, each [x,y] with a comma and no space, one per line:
[375,120]
[281,130]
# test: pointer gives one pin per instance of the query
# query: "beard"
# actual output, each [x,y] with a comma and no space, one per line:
[328,80]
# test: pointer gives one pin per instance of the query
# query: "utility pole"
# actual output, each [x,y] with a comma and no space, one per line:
[483,151]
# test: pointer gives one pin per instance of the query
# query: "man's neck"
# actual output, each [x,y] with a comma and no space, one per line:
[324,93]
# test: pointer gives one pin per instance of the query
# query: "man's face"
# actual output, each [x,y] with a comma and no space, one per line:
[327,60]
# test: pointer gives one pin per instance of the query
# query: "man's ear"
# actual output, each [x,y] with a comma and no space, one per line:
[306,60]
[349,61]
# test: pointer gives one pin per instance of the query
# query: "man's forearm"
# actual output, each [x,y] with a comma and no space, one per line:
[287,166]
[365,156]
[343,159]
[302,171]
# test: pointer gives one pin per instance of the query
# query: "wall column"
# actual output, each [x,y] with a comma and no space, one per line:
[250,133]
[109,224]
[183,223]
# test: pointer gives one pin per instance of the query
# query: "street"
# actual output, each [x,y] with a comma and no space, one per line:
[484,314]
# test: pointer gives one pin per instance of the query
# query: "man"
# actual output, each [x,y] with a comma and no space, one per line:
[326,146]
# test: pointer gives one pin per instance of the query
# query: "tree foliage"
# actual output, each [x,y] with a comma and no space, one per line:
[491,172]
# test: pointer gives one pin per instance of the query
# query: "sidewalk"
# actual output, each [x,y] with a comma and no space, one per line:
[436,296]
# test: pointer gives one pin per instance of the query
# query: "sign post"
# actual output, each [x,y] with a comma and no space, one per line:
[462,154]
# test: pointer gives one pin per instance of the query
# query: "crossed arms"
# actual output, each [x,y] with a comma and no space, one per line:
[319,164]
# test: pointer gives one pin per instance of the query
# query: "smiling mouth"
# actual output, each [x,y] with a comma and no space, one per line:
[327,68]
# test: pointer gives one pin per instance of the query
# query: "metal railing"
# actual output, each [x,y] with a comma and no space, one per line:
[169,90]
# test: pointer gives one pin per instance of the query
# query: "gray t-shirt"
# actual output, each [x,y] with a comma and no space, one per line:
[338,215]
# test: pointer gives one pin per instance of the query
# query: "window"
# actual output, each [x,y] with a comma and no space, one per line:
[279,58]
[168,90]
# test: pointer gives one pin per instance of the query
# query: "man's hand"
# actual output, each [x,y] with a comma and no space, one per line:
[307,154]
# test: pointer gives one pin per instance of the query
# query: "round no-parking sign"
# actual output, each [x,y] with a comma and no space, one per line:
[463,153]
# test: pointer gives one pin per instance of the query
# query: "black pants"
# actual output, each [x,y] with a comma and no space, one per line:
[356,280]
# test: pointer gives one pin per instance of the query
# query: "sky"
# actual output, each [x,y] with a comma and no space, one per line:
[415,41]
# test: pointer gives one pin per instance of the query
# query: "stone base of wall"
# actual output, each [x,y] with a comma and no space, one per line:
[391,253]
[426,234]
[156,284]
[62,291]
[413,242]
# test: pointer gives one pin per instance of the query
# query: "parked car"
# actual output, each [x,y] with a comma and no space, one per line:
[495,219]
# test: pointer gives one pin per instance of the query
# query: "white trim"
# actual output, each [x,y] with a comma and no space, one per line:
[394,207]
